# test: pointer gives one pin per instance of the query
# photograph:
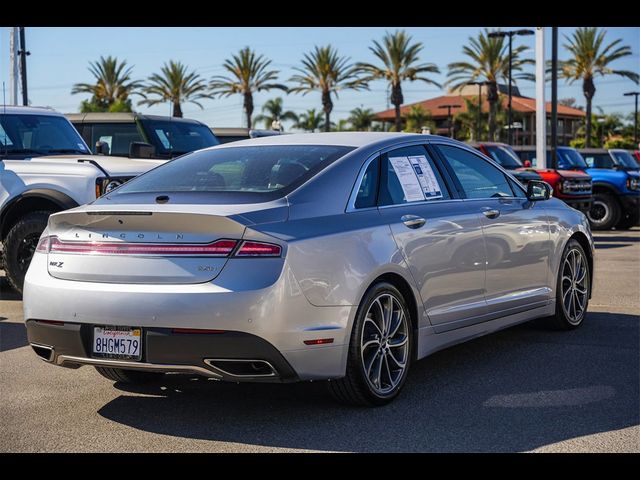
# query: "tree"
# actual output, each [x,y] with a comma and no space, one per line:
[417,118]
[176,85]
[272,112]
[326,71]
[343,125]
[249,73]
[569,102]
[399,62]
[488,60]
[309,121]
[361,119]
[113,86]
[590,59]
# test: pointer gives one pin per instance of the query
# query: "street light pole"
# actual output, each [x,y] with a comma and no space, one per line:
[510,34]
[479,115]
[635,117]
[449,107]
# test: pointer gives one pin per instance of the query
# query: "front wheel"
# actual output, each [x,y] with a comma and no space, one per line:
[572,290]
[604,212]
[379,350]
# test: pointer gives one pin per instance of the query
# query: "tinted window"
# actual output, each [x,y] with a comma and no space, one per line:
[263,169]
[504,156]
[624,158]
[117,135]
[367,192]
[569,158]
[410,175]
[598,160]
[177,138]
[38,135]
[479,179]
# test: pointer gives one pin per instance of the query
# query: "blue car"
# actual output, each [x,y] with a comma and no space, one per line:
[616,185]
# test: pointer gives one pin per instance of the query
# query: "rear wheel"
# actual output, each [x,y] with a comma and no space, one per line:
[379,350]
[20,245]
[129,376]
[604,213]
[572,291]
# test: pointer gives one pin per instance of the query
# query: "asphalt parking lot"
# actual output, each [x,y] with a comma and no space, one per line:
[523,389]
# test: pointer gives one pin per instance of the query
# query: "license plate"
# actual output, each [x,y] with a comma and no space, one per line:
[117,342]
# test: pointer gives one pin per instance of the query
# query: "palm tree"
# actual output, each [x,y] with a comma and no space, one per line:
[417,118]
[176,85]
[361,119]
[399,59]
[113,85]
[309,121]
[590,58]
[272,112]
[488,60]
[249,73]
[326,71]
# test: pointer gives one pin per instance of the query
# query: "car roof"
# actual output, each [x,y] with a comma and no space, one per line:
[16,109]
[593,150]
[347,139]
[116,117]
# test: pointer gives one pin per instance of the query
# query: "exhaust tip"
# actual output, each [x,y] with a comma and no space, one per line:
[45,352]
[242,368]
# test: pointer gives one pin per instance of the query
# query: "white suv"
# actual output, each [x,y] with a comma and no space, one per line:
[46,167]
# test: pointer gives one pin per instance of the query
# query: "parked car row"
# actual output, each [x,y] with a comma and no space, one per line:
[604,184]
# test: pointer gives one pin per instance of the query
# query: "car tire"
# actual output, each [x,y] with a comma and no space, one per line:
[373,349]
[129,376]
[19,245]
[629,221]
[571,304]
[605,212]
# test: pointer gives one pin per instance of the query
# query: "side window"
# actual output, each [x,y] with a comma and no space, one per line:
[409,175]
[517,191]
[367,192]
[479,179]
[117,135]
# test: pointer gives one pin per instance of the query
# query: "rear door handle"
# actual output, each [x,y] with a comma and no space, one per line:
[413,221]
[493,213]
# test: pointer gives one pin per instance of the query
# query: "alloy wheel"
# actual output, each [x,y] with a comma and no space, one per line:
[575,286]
[26,250]
[599,212]
[384,344]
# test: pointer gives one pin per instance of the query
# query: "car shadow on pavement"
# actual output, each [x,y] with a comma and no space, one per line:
[516,390]
[6,292]
[12,335]
[616,238]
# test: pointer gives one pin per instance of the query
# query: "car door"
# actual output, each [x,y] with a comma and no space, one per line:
[516,233]
[441,240]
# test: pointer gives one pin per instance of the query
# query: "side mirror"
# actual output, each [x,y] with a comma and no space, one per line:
[141,150]
[527,163]
[102,148]
[537,190]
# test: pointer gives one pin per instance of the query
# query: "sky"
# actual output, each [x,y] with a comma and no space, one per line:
[60,57]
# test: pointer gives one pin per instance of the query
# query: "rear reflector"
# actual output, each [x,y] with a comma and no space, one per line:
[195,330]
[318,341]
[51,322]
[219,248]
[258,249]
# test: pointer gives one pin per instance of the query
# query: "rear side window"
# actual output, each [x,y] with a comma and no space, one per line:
[254,170]
[598,160]
[410,175]
[117,135]
[367,193]
[479,179]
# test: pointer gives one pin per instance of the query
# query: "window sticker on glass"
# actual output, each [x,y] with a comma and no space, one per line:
[426,177]
[163,138]
[408,178]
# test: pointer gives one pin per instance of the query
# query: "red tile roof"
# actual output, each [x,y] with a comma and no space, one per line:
[520,104]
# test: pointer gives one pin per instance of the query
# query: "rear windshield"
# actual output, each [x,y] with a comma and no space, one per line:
[504,156]
[253,169]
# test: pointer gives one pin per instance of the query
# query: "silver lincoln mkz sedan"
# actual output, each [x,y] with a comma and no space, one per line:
[339,256]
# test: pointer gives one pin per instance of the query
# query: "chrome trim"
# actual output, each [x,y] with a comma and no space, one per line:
[209,361]
[101,362]
[46,347]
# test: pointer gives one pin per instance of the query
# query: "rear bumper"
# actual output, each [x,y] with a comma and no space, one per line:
[232,356]
[267,320]
[583,203]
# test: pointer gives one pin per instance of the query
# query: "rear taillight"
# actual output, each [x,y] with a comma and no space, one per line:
[43,245]
[258,249]
[219,248]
